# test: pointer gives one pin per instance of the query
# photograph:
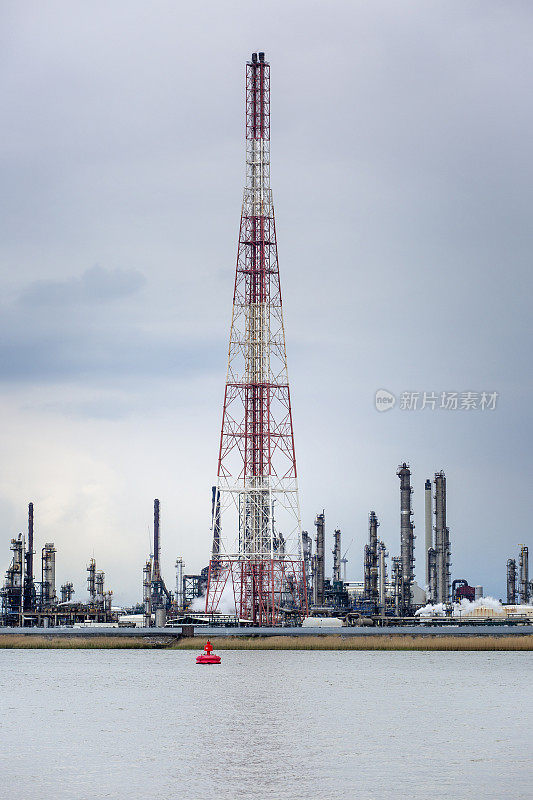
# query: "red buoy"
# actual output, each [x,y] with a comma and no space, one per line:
[208,657]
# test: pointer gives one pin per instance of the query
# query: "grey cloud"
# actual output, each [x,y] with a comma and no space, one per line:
[95,285]
[111,357]
[67,330]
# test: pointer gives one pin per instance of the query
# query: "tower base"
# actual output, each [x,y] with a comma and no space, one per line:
[265,591]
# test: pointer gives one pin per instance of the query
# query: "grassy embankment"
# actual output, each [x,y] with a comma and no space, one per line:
[382,642]
[326,642]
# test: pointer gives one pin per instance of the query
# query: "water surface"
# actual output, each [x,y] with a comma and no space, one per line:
[83,724]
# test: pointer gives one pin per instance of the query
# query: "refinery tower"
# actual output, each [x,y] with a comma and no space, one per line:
[257,550]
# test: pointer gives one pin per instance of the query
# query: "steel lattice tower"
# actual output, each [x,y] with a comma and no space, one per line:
[259,553]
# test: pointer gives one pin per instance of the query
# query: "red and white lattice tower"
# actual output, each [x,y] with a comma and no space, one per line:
[257,549]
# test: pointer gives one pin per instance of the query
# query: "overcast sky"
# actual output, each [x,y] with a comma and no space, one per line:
[402,179]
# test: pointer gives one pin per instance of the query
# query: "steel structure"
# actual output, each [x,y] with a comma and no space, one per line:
[67,590]
[259,553]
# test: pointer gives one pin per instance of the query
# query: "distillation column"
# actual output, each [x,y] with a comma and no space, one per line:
[179,583]
[511,581]
[91,580]
[336,556]
[147,594]
[524,574]
[29,586]
[430,579]
[382,573]
[48,558]
[99,583]
[320,523]
[442,540]
[407,538]
[373,556]
[307,551]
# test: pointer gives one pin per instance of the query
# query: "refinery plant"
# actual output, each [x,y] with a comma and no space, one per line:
[263,569]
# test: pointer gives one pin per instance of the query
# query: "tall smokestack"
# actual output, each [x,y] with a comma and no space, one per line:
[29,586]
[157,551]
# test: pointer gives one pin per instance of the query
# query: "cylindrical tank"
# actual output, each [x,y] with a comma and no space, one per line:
[160,617]
[479,592]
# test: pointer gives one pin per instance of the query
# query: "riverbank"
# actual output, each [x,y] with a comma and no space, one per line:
[316,642]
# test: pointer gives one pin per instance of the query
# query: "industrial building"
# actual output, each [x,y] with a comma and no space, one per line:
[26,602]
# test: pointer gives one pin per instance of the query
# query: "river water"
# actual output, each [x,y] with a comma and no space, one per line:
[151,725]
